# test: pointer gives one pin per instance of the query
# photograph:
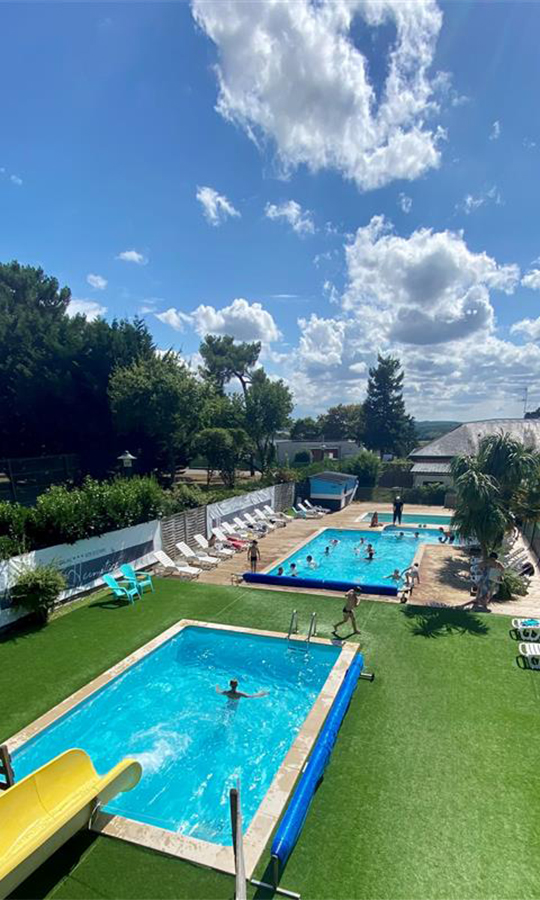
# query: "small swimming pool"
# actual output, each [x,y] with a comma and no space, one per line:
[192,742]
[346,561]
[410,519]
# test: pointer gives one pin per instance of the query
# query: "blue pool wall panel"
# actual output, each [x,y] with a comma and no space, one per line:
[327,584]
[293,821]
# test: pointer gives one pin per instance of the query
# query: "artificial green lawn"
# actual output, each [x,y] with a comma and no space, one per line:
[431,789]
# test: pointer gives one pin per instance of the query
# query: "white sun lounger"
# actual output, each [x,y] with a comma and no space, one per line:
[207,562]
[258,517]
[234,531]
[218,551]
[531,652]
[528,629]
[321,509]
[258,526]
[167,563]
[248,526]
[225,539]
[278,515]
[270,520]
[310,513]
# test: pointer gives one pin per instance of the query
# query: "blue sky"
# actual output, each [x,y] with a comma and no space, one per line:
[332,179]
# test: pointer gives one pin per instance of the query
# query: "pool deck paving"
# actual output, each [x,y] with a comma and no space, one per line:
[443,569]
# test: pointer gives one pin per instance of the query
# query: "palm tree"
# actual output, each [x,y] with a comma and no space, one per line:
[480,513]
[508,462]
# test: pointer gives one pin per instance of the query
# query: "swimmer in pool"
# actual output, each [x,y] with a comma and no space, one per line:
[327,551]
[233,694]
[416,535]
[334,542]
[395,576]
[280,570]
[293,572]
[370,552]
[311,562]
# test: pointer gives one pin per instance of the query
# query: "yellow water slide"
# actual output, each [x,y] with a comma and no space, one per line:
[42,811]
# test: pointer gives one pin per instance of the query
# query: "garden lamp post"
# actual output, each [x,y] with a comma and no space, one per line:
[127,459]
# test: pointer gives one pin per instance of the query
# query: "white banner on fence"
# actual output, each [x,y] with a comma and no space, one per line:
[84,562]
[216,513]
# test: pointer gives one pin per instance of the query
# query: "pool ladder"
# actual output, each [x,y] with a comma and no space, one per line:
[293,629]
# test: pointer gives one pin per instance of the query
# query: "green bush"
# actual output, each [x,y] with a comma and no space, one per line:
[366,466]
[511,586]
[9,547]
[302,458]
[37,590]
[186,496]
[428,494]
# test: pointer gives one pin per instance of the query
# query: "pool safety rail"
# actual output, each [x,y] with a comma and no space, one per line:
[326,584]
[297,810]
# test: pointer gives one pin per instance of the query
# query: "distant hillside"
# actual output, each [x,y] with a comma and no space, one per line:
[429,431]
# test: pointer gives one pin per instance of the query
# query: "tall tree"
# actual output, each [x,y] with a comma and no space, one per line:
[225,359]
[342,422]
[268,407]
[387,427]
[223,449]
[54,370]
[479,513]
[156,406]
[305,429]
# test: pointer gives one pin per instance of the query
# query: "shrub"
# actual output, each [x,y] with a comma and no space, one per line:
[302,458]
[511,586]
[37,590]
[9,547]
[366,466]
[185,496]
[430,494]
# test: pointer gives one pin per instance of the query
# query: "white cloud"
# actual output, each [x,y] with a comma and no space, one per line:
[16,180]
[495,132]
[528,327]
[97,282]
[529,144]
[133,256]
[300,220]
[292,72]
[216,207]
[88,308]
[243,320]
[173,317]
[471,203]
[405,203]
[532,279]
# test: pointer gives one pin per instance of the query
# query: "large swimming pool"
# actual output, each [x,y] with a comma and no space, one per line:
[346,560]
[192,742]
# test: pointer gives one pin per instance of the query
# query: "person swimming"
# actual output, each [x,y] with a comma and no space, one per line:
[294,573]
[280,570]
[327,551]
[416,535]
[401,534]
[395,576]
[370,551]
[234,694]
[334,542]
[311,562]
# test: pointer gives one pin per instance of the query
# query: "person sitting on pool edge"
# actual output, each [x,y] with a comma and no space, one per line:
[233,694]
[352,599]
[374,520]
[443,535]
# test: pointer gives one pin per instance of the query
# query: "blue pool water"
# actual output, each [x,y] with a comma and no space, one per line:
[192,742]
[412,519]
[344,564]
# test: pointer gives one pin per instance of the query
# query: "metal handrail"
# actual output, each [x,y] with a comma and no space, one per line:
[312,627]
[293,627]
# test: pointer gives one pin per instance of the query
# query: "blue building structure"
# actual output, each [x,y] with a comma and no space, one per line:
[333,490]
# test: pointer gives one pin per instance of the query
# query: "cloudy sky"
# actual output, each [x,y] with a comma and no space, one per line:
[331,179]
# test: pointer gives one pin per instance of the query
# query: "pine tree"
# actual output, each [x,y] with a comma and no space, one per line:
[387,427]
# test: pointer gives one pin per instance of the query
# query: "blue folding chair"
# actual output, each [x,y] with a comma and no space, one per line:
[129,591]
[139,579]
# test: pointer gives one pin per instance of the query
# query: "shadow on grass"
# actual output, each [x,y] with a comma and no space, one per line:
[60,864]
[21,629]
[109,603]
[434,622]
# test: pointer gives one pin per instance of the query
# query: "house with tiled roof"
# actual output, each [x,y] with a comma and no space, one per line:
[431,463]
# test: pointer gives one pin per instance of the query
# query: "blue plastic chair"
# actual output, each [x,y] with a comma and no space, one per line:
[140,580]
[130,591]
